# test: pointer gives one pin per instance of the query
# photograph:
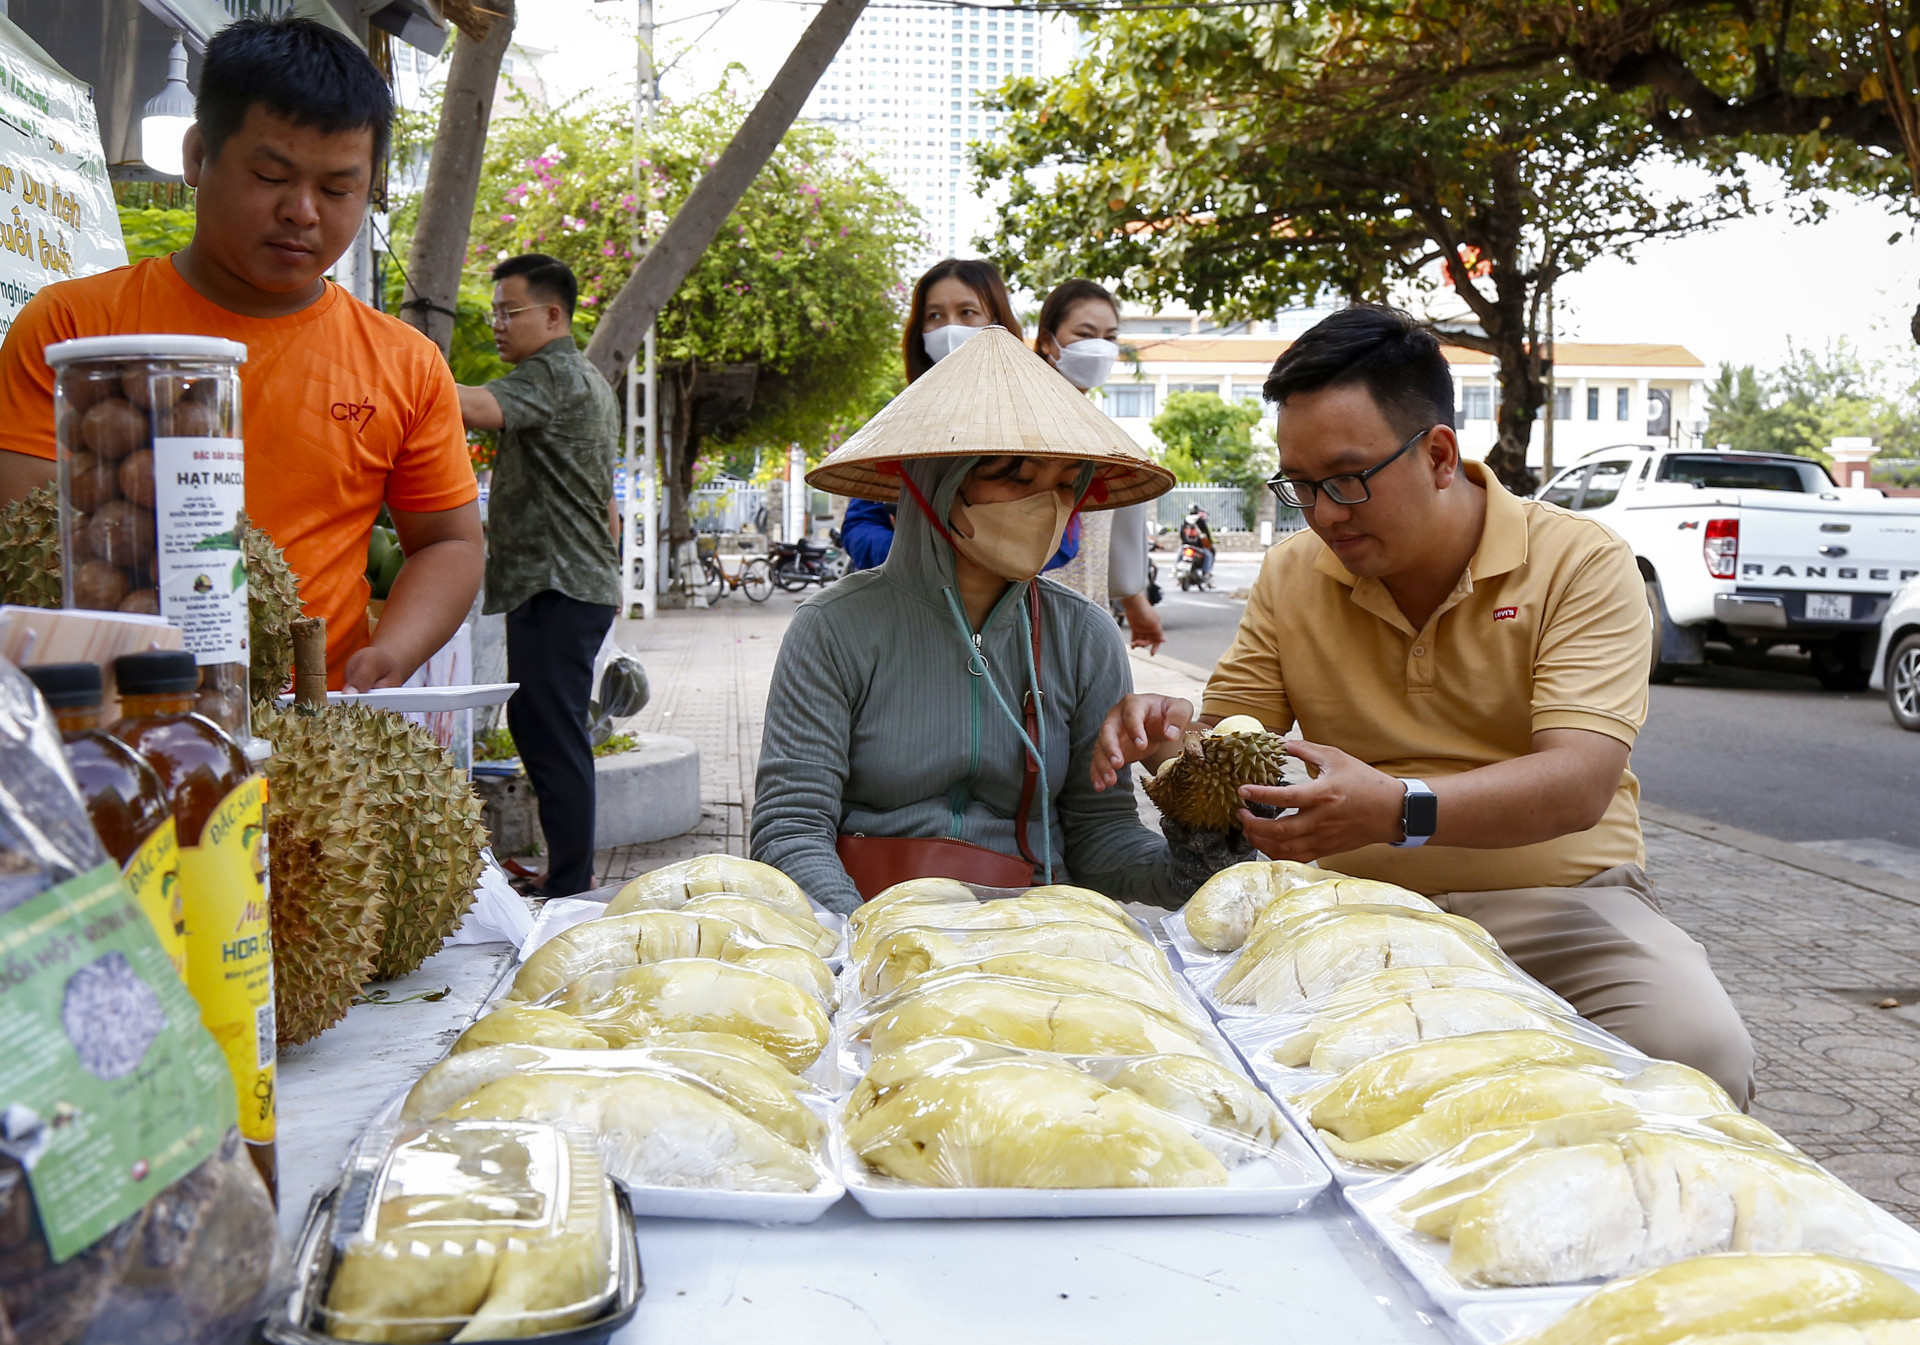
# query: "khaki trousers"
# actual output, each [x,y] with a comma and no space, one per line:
[1606,948]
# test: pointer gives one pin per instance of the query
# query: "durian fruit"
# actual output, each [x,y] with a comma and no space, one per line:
[374,842]
[1200,788]
[273,601]
[30,550]
[436,837]
[30,577]
[329,871]
[672,886]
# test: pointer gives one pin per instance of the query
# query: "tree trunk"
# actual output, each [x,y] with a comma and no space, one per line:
[453,177]
[624,322]
[1522,393]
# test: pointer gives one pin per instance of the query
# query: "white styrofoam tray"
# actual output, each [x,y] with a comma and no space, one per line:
[413,699]
[1425,1258]
[1283,1183]
[746,1207]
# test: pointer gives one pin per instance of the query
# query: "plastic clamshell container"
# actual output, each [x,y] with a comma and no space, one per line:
[510,1227]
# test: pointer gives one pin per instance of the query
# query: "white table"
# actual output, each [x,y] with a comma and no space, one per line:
[1305,1279]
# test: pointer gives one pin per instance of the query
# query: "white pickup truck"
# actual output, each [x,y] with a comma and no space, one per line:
[1753,549]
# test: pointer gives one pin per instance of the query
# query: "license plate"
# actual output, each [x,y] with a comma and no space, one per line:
[1829,607]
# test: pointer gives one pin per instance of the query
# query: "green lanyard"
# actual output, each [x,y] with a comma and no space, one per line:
[977,666]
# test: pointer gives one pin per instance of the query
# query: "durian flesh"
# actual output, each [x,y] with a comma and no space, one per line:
[1317,953]
[1709,1296]
[671,886]
[1200,788]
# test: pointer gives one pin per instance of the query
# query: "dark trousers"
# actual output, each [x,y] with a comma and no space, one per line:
[551,643]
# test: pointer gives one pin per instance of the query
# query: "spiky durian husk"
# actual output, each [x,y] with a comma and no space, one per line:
[437,839]
[273,601]
[30,550]
[1200,788]
[30,577]
[330,856]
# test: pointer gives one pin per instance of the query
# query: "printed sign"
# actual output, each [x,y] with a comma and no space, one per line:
[199,490]
[57,217]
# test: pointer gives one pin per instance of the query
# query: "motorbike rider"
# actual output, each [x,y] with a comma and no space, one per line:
[1195,532]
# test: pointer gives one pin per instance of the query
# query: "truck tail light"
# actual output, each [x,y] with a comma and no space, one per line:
[1722,547]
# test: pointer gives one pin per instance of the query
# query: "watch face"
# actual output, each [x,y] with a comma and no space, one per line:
[1422,814]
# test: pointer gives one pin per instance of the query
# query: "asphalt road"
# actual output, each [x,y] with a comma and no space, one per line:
[1765,749]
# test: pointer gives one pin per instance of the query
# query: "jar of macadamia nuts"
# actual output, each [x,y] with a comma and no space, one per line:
[152,489]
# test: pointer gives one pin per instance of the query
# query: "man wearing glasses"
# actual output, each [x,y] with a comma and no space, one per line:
[552,561]
[1469,672]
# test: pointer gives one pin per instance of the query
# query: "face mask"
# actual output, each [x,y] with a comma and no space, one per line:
[943,341]
[1013,539]
[1086,364]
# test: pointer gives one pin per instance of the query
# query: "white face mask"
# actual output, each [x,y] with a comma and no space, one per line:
[1086,364]
[943,341]
[1012,539]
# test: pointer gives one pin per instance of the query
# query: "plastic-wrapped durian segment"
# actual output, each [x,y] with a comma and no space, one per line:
[950,1112]
[1708,1298]
[471,1231]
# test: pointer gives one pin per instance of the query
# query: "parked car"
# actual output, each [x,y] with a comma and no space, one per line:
[1753,549]
[1896,668]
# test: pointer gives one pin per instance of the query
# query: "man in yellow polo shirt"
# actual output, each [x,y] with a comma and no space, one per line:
[1469,671]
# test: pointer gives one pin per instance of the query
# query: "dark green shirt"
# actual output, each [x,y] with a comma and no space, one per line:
[552,478]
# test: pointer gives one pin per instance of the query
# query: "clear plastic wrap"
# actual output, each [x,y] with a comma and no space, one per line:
[1163,994]
[1532,1093]
[1593,1197]
[1231,909]
[671,886]
[1028,1015]
[129,1211]
[945,1112]
[638,938]
[1342,1036]
[1051,906]
[470,1230]
[913,892]
[903,955]
[1319,952]
[741,1074]
[1706,1297]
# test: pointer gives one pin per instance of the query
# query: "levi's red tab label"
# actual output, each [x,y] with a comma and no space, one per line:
[1505,613]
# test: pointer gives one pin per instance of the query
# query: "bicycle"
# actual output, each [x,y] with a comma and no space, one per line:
[754,578]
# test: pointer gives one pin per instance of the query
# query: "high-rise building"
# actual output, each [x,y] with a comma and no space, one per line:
[906,89]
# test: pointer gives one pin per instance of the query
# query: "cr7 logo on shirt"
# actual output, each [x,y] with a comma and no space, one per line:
[359,414]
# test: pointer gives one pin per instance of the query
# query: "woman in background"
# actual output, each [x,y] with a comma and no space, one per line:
[951,302]
[1078,334]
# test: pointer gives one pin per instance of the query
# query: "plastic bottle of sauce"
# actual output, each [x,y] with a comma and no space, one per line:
[219,806]
[125,800]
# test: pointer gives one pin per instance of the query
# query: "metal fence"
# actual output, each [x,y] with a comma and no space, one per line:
[726,508]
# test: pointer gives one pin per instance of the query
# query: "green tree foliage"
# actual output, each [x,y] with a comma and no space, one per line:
[154,231]
[1241,161]
[1812,399]
[1205,438]
[804,281]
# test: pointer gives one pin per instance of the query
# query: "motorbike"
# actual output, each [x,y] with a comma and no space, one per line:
[1190,570]
[798,564]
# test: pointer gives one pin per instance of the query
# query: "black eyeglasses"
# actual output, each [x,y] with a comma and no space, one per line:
[1347,488]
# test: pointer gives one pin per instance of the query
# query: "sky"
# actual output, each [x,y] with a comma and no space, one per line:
[1742,293]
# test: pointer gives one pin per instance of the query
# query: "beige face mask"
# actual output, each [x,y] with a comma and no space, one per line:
[1012,539]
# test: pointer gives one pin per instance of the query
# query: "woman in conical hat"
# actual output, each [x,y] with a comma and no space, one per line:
[902,736]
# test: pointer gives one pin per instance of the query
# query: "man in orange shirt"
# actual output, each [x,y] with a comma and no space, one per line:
[344,409]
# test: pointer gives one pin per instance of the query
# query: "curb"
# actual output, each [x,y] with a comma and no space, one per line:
[1181,666]
[1785,852]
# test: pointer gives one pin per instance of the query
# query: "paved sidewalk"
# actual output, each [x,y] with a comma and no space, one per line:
[1808,943]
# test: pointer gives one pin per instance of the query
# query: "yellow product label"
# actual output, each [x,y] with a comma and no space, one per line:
[153,876]
[223,881]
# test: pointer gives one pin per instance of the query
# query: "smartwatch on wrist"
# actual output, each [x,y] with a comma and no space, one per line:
[1419,814]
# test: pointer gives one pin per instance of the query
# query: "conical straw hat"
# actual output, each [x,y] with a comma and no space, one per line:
[992,396]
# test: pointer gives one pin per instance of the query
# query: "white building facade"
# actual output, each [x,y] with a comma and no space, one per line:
[905,88]
[1605,393]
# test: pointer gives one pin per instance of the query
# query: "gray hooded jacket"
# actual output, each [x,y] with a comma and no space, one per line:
[875,726]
